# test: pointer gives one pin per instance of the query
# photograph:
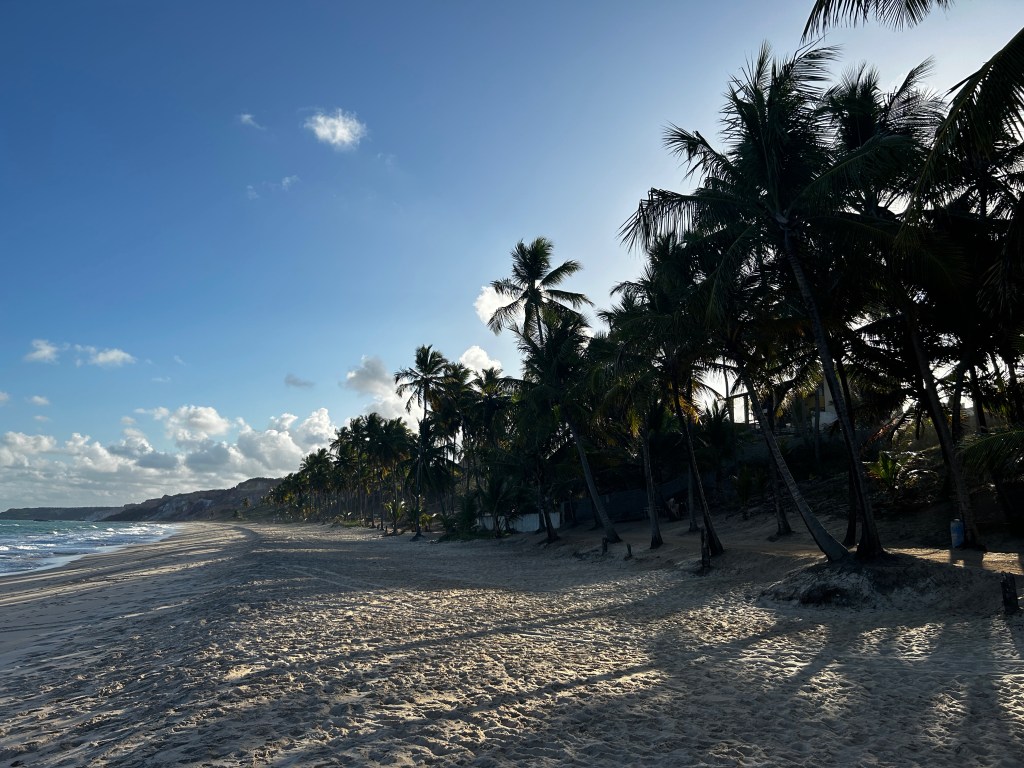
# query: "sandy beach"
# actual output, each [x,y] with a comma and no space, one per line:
[313,646]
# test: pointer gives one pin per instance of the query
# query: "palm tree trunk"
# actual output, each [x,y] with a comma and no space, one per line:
[652,506]
[870,544]
[945,436]
[602,514]
[695,478]
[833,550]
[783,528]
[549,529]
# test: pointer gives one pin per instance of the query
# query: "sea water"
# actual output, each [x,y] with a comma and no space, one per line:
[28,545]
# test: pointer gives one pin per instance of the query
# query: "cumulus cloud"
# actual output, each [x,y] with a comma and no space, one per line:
[274,450]
[26,444]
[43,352]
[20,450]
[251,193]
[370,378]
[291,380]
[38,400]
[288,182]
[341,130]
[192,424]
[209,457]
[487,303]
[103,358]
[315,432]
[158,414]
[477,359]
[158,460]
[283,422]
[249,120]
[40,470]
[373,379]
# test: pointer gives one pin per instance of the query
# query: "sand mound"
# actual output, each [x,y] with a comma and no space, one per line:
[896,581]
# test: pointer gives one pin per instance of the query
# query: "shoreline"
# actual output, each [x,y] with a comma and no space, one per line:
[50,562]
[291,645]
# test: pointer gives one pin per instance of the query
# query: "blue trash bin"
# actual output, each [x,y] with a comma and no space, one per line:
[956,532]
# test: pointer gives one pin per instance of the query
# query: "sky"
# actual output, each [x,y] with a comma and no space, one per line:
[225,226]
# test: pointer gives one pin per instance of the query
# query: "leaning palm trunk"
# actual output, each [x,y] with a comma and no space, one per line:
[695,478]
[602,513]
[652,505]
[870,544]
[963,498]
[833,550]
[714,543]
[783,528]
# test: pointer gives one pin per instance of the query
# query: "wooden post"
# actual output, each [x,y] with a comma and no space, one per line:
[1011,604]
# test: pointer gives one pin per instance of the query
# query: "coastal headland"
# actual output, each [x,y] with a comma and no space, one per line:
[304,645]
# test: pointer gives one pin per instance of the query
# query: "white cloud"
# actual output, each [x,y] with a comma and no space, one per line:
[111,358]
[283,422]
[44,352]
[477,359]
[41,418]
[272,449]
[103,358]
[251,193]
[178,360]
[288,182]
[4,397]
[372,378]
[341,130]
[28,444]
[246,119]
[38,400]
[20,450]
[158,414]
[191,424]
[317,431]
[488,302]
[291,380]
[38,470]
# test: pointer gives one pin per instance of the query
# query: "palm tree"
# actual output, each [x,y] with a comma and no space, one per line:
[423,382]
[532,288]
[777,184]
[662,321]
[987,105]
[554,373]
[632,384]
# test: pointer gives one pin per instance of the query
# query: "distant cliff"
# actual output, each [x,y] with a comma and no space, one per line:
[198,505]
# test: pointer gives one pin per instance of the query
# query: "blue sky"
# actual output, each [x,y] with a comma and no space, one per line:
[223,226]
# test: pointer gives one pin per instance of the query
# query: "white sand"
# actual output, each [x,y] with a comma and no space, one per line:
[307,646]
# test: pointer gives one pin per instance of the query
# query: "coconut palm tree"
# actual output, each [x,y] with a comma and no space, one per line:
[424,383]
[533,288]
[554,373]
[777,184]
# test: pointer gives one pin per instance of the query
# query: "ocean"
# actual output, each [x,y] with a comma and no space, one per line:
[29,545]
